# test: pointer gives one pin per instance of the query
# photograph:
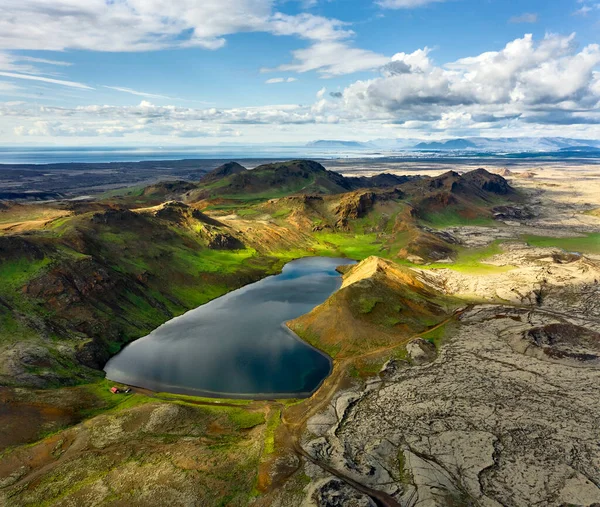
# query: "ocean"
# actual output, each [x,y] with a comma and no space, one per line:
[57,155]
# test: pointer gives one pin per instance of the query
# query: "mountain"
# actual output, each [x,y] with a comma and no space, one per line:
[335,144]
[582,149]
[283,178]
[223,171]
[454,144]
[484,144]
[110,271]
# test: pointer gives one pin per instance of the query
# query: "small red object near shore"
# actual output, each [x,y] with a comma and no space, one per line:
[114,390]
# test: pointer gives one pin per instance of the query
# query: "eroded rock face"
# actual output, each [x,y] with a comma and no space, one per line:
[562,343]
[335,493]
[512,213]
[115,216]
[353,207]
[224,241]
[483,424]
[421,351]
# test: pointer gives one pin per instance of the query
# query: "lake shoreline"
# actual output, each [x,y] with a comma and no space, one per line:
[258,358]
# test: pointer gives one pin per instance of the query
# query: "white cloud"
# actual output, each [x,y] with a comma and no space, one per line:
[138,93]
[275,80]
[47,61]
[405,4]
[308,26]
[143,25]
[530,87]
[585,9]
[28,77]
[524,80]
[8,88]
[55,128]
[528,17]
[333,58]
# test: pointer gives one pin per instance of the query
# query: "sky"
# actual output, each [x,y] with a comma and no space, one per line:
[206,72]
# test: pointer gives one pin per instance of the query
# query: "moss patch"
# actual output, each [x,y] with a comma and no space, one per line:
[583,244]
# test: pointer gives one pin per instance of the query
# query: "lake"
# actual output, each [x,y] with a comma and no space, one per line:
[238,345]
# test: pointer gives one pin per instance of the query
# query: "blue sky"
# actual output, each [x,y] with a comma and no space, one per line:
[248,71]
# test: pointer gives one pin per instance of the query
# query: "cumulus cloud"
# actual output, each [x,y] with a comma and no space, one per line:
[525,79]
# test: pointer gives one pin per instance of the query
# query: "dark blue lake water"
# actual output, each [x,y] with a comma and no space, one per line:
[238,345]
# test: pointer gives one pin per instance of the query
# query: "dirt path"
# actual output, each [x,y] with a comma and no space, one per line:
[152,394]
[332,384]
[322,397]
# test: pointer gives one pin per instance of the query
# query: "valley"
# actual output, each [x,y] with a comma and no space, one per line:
[460,341]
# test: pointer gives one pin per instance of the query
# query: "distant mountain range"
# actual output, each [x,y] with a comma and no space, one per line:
[337,144]
[483,144]
[453,144]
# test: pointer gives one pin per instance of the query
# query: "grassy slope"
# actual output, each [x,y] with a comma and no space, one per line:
[135,276]
[138,450]
[380,305]
[455,216]
[584,244]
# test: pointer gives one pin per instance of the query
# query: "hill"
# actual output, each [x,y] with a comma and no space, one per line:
[222,172]
[379,305]
[280,179]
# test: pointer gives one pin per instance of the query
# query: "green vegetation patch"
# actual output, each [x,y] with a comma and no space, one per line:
[436,336]
[470,260]
[272,424]
[16,273]
[582,244]
[134,191]
[354,246]
[367,304]
[452,216]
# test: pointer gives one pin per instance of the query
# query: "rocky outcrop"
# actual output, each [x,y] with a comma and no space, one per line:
[421,351]
[358,204]
[484,180]
[168,189]
[512,213]
[115,216]
[224,241]
[562,343]
[481,425]
[352,207]
[15,247]
[180,213]
[332,492]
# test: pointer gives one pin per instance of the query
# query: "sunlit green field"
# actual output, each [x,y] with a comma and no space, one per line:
[584,244]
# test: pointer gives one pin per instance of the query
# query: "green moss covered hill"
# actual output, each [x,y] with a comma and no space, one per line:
[77,286]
